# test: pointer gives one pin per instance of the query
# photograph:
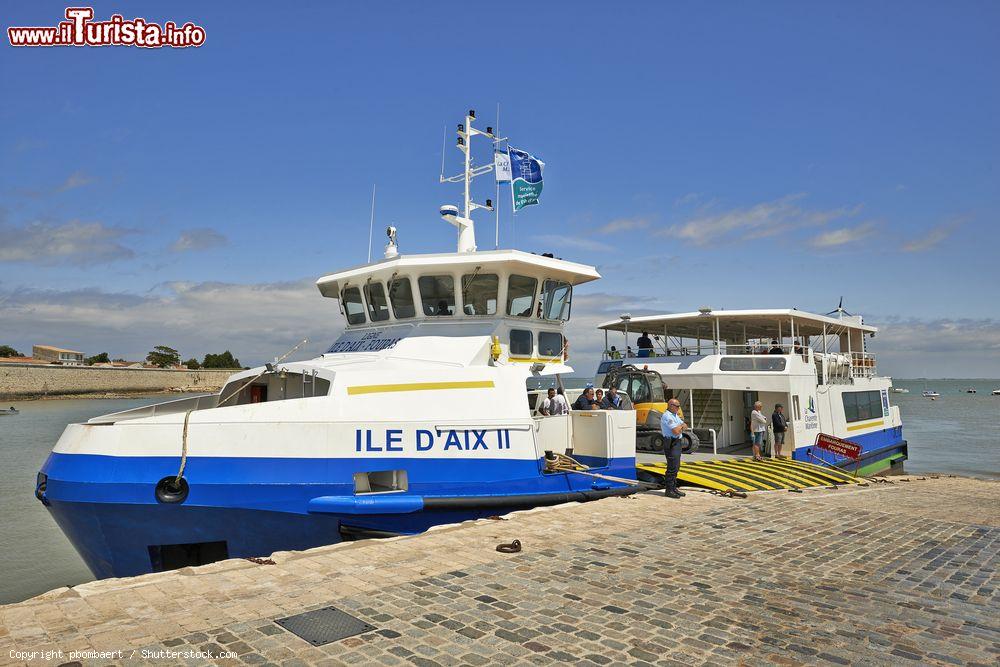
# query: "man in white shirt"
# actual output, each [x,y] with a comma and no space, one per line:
[758,427]
[671,425]
[545,409]
[559,404]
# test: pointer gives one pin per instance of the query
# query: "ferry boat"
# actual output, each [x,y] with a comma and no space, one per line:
[718,363]
[416,416]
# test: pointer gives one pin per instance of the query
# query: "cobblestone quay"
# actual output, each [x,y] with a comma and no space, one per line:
[900,573]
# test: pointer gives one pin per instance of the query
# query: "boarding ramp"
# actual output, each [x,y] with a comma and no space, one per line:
[745,474]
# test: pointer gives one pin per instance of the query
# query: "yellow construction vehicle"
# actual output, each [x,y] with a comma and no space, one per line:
[649,394]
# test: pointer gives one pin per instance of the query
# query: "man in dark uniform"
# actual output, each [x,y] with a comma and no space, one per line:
[672,426]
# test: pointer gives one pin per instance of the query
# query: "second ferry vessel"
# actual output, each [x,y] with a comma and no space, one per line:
[416,416]
[719,363]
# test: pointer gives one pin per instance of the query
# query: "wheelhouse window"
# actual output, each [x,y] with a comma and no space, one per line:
[437,293]
[479,293]
[378,307]
[550,344]
[521,295]
[556,300]
[354,308]
[862,405]
[401,298]
[520,342]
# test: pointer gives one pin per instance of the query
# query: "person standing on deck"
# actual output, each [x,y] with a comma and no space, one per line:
[671,425]
[645,344]
[758,427]
[612,401]
[546,408]
[586,400]
[559,406]
[779,424]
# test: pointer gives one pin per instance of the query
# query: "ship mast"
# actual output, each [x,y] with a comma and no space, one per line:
[464,224]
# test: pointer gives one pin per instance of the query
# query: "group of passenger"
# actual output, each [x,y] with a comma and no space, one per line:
[555,402]
[776,348]
[645,345]
[758,428]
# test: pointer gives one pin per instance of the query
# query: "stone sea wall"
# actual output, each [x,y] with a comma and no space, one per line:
[28,380]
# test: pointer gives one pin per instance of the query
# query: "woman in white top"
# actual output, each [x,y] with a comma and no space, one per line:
[758,427]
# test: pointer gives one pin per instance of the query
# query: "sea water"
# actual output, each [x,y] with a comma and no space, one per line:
[958,433]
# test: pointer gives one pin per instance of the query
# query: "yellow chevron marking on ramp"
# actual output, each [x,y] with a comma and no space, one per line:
[745,474]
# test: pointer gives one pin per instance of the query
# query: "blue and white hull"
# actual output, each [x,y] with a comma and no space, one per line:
[371,483]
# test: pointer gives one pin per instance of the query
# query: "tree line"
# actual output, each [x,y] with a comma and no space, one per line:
[161,355]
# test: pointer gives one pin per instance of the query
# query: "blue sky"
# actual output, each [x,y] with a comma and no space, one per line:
[780,154]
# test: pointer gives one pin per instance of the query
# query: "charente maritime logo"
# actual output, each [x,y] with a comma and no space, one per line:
[79,29]
[811,418]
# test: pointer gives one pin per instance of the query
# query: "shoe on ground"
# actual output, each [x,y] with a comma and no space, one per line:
[679,492]
[672,494]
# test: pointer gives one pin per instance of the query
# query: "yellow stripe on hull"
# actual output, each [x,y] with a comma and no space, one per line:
[418,386]
[871,424]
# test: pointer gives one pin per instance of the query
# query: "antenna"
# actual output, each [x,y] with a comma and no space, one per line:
[371,224]
[444,137]
[464,224]
[496,147]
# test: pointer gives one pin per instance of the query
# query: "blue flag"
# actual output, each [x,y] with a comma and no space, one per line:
[526,178]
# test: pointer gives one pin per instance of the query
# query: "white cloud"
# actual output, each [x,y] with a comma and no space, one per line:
[557,241]
[623,225]
[838,237]
[758,221]
[77,179]
[74,242]
[198,239]
[255,322]
[689,198]
[933,237]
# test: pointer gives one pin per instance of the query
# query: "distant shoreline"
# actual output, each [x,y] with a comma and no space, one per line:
[104,395]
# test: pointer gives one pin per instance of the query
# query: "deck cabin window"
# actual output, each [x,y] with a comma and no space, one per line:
[520,342]
[354,308]
[521,295]
[479,293]
[556,300]
[401,298]
[762,363]
[378,307]
[437,293]
[550,344]
[862,405]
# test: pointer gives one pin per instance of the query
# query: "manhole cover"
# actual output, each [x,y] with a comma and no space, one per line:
[324,626]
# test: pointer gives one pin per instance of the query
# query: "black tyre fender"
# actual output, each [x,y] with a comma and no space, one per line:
[689,442]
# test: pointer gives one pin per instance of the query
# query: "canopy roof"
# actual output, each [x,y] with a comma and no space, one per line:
[734,324]
[508,261]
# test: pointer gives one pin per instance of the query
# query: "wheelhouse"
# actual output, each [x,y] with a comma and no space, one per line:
[521,299]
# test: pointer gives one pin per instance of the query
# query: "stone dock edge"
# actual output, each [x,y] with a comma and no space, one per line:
[902,571]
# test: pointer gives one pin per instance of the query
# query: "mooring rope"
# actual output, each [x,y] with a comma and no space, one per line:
[184,447]
[565,463]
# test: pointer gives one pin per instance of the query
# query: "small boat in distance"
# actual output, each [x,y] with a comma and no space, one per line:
[929,393]
[900,390]
[970,390]
[996,392]
[10,411]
